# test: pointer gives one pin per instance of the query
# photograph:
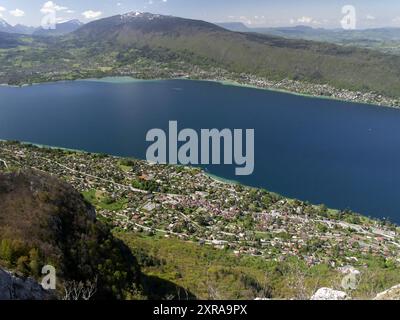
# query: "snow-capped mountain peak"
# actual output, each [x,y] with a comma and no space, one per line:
[3,23]
[138,14]
[132,14]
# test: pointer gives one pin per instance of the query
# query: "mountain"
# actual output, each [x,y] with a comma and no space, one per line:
[386,40]
[5,26]
[168,38]
[151,45]
[19,28]
[60,28]
[22,29]
[129,27]
[234,26]
[45,221]
[297,32]
[332,35]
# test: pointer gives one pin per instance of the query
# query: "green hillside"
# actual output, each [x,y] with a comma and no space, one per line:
[233,242]
[262,55]
[209,273]
[155,46]
[44,221]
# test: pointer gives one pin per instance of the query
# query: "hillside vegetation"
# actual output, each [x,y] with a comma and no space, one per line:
[46,222]
[192,237]
[148,45]
[8,40]
[262,55]
[209,273]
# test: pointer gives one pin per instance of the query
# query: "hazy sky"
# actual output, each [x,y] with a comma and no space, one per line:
[257,13]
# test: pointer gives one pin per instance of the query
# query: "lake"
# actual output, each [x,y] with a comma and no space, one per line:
[344,155]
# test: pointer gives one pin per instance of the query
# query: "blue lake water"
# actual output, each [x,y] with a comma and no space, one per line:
[324,151]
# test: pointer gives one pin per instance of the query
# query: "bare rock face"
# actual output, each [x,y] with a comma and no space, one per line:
[329,294]
[16,288]
[391,294]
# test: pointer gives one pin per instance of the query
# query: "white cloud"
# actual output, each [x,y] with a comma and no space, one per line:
[17,13]
[51,7]
[2,9]
[90,14]
[396,20]
[370,17]
[305,20]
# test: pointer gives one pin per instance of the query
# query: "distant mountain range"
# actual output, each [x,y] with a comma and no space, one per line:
[5,27]
[318,34]
[60,28]
[121,41]
[333,35]
[383,39]
[19,28]
[363,38]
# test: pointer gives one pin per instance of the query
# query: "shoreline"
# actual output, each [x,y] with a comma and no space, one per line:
[220,180]
[223,180]
[217,179]
[214,177]
[227,82]
[306,95]
[45,146]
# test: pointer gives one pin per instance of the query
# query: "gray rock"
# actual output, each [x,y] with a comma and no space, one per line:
[391,294]
[13,287]
[329,294]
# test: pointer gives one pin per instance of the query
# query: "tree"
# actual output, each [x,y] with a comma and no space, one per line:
[75,290]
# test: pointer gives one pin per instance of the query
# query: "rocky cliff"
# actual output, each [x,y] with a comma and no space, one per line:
[13,287]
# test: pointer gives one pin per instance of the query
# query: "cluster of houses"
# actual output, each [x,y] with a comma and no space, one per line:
[157,70]
[186,203]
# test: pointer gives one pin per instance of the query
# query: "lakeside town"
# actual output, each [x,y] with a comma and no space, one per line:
[185,203]
[147,69]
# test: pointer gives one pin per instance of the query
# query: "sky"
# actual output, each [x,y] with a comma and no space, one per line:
[254,13]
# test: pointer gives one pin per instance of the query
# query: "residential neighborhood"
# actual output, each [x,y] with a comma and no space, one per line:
[186,203]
